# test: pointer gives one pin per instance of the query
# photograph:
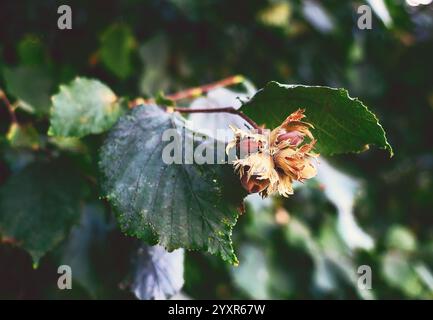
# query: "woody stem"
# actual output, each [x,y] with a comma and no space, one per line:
[192,92]
[220,110]
[6,102]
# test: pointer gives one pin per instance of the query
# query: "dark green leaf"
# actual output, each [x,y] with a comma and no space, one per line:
[117,43]
[154,54]
[180,205]
[31,51]
[342,124]
[83,107]
[38,206]
[87,250]
[31,86]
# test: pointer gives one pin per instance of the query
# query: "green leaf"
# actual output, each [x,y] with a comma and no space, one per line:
[23,136]
[179,205]
[88,252]
[154,55]
[31,51]
[83,107]
[399,272]
[158,274]
[381,9]
[162,100]
[277,14]
[117,43]
[253,266]
[401,238]
[38,206]
[31,86]
[75,145]
[342,124]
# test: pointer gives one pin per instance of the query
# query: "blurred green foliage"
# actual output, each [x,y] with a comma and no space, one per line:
[288,249]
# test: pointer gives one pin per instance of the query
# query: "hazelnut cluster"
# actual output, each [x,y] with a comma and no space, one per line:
[271,163]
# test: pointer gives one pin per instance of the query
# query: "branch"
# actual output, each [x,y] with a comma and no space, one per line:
[198,91]
[220,110]
[6,102]
[193,92]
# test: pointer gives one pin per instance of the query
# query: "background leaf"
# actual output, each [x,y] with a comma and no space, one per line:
[154,54]
[158,273]
[181,205]
[314,43]
[39,205]
[23,136]
[253,265]
[83,107]
[31,50]
[84,250]
[31,86]
[342,124]
[117,43]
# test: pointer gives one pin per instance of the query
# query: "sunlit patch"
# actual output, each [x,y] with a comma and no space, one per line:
[414,3]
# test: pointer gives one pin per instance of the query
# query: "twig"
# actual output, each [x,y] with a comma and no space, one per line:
[194,92]
[197,91]
[6,102]
[220,110]
[8,240]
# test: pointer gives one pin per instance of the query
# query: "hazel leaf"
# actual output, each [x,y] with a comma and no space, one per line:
[177,205]
[342,124]
[83,107]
